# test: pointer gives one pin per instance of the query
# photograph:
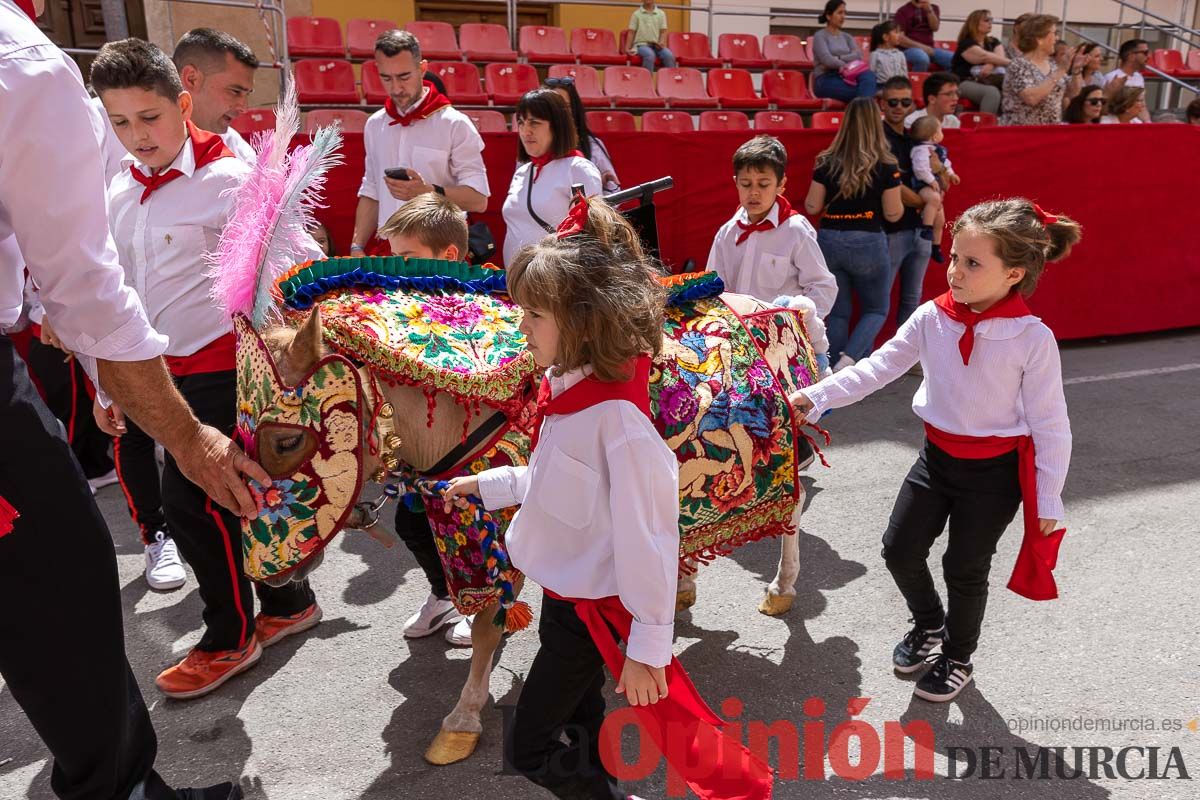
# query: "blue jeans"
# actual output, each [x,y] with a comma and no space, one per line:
[859,263]
[919,62]
[647,55]
[830,84]
[909,255]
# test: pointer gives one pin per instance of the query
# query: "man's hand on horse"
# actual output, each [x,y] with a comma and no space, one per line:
[459,487]
[217,465]
[801,403]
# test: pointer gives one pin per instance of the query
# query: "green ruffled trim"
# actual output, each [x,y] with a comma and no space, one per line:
[395,266]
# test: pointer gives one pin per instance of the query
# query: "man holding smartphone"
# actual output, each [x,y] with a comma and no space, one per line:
[418,143]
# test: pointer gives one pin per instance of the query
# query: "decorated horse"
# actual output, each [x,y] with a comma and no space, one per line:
[408,372]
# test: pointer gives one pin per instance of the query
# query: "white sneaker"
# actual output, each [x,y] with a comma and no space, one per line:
[460,634]
[107,479]
[164,568]
[843,362]
[433,615]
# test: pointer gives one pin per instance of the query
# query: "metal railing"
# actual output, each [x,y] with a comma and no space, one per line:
[1169,29]
[1170,80]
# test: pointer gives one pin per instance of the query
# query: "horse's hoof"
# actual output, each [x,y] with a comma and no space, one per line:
[775,605]
[450,747]
[685,600]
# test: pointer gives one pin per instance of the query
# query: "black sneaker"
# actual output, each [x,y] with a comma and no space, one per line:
[945,680]
[914,648]
[222,791]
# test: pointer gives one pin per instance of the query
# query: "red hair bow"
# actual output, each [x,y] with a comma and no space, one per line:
[1043,217]
[576,218]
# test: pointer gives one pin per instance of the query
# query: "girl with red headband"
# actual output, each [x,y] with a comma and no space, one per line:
[997,434]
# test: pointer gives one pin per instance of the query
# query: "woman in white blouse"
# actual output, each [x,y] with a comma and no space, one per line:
[551,163]
[589,144]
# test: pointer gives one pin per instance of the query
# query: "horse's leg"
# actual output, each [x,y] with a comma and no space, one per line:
[685,590]
[782,591]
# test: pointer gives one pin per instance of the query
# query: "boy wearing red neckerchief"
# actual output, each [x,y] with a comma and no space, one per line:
[598,526]
[166,210]
[768,250]
[426,144]
[997,434]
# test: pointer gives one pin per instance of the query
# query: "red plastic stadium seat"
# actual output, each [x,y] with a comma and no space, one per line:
[543,44]
[253,120]
[631,86]
[785,50]
[324,81]
[724,121]
[918,81]
[486,120]
[372,87]
[734,88]
[587,83]
[826,120]
[315,36]
[596,46]
[667,122]
[485,42]
[1193,59]
[683,87]
[437,40]
[362,33]
[611,122]
[778,121]
[507,82]
[864,44]
[788,88]
[461,79]
[352,121]
[692,50]
[828,103]
[741,50]
[1171,62]
[977,119]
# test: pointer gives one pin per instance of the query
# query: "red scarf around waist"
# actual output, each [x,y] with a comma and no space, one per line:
[1011,306]
[675,722]
[590,391]
[431,102]
[219,355]
[765,224]
[206,148]
[542,160]
[1033,574]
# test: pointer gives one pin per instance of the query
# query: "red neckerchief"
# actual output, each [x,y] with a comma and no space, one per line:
[590,391]
[27,7]
[541,161]
[785,211]
[432,101]
[691,737]
[207,147]
[1011,306]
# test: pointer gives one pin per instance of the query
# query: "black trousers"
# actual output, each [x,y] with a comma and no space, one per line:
[62,646]
[137,471]
[64,385]
[979,497]
[562,695]
[210,538]
[413,529]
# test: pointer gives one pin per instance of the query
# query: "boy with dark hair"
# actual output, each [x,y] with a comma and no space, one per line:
[165,212]
[768,250]
[940,93]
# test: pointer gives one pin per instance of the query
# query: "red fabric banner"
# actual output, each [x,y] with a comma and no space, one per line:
[1136,270]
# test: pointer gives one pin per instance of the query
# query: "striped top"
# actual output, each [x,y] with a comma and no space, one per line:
[1012,387]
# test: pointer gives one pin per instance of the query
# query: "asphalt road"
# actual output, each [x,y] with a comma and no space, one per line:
[347,710]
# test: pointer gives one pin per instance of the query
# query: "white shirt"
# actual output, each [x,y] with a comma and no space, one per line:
[1134,81]
[52,200]
[551,199]
[948,121]
[162,243]
[445,148]
[603,162]
[240,147]
[599,515]
[1109,119]
[921,163]
[1012,387]
[784,260]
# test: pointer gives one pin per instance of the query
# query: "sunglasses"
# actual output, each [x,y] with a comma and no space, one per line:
[899,101]
[554,83]
[1095,101]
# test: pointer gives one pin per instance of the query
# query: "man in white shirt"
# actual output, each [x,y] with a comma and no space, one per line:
[941,99]
[427,144]
[218,71]
[62,647]
[1132,58]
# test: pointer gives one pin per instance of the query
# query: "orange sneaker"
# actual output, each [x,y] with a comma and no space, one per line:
[270,630]
[202,672]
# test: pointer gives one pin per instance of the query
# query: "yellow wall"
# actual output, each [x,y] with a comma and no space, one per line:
[616,19]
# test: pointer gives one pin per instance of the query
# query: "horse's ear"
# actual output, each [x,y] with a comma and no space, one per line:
[305,349]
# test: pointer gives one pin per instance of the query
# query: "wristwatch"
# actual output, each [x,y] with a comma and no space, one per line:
[439,189]
[357,247]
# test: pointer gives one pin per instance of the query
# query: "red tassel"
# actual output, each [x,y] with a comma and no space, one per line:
[518,617]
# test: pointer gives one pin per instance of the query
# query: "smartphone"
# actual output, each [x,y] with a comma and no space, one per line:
[397,173]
